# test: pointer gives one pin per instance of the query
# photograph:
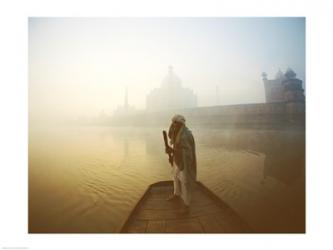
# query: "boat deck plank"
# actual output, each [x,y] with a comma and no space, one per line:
[184,226]
[210,225]
[208,214]
[156,226]
[138,226]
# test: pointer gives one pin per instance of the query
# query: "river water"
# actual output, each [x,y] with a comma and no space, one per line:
[88,178]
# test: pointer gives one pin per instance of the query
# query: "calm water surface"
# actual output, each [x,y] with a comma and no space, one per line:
[87,179]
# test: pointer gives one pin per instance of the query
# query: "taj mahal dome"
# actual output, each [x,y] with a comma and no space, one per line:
[171,95]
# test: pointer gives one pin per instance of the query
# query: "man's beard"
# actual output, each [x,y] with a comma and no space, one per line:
[173,131]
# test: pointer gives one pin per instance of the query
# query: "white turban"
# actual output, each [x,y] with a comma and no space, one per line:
[178,118]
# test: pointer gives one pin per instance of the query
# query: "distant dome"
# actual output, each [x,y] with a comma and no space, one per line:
[171,95]
[290,74]
[171,80]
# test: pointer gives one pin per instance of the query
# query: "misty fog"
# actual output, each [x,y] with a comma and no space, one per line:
[82,66]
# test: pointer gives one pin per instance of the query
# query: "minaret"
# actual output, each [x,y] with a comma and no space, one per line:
[217,95]
[266,86]
[170,69]
[126,100]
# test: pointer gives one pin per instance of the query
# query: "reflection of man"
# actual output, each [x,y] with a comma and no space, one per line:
[185,169]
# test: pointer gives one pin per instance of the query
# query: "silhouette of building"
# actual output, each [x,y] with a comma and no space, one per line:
[126,109]
[284,88]
[171,95]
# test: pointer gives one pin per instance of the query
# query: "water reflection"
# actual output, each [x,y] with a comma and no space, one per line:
[261,173]
[154,144]
[87,179]
[284,161]
[284,150]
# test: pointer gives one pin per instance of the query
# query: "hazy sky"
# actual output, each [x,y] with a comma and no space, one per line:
[80,66]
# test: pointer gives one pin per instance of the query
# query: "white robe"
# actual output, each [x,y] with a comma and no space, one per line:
[181,186]
[181,178]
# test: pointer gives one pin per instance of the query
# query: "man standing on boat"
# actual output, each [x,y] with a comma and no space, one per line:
[184,157]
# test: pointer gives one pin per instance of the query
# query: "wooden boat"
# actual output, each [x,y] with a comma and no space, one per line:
[208,213]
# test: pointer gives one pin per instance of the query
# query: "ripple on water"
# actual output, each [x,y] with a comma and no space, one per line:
[107,173]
